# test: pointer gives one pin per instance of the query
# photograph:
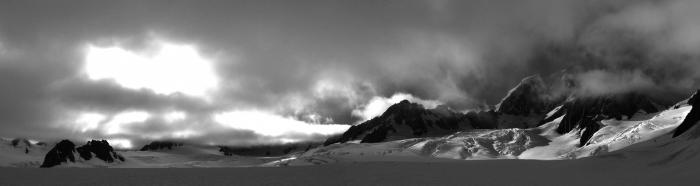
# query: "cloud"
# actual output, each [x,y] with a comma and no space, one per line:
[325,62]
[273,125]
[377,105]
[671,24]
[170,69]
[598,82]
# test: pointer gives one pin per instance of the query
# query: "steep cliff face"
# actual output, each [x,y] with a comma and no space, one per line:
[528,103]
[693,116]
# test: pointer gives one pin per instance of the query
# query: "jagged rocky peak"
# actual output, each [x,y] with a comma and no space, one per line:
[160,145]
[101,149]
[65,150]
[692,118]
[586,112]
[61,153]
[530,96]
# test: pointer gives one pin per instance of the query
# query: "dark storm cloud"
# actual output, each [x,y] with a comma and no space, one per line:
[319,61]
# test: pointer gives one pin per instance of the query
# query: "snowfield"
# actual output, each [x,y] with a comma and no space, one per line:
[625,168]
[21,155]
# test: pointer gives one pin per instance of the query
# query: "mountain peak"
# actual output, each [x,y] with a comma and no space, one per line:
[61,153]
[404,106]
[530,96]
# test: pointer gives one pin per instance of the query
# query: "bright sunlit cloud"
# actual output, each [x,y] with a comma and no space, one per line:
[377,105]
[116,124]
[89,121]
[174,116]
[273,125]
[120,143]
[169,69]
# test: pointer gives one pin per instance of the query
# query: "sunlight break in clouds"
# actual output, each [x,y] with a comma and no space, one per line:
[169,69]
[120,143]
[273,125]
[115,126]
[89,121]
[174,116]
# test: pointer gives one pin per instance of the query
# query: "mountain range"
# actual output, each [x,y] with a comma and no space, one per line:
[540,118]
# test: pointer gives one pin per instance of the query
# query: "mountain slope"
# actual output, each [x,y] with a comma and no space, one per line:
[530,96]
[586,113]
[405,120]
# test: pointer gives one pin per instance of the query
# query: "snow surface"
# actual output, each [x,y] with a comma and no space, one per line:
[11,156]
[633,167]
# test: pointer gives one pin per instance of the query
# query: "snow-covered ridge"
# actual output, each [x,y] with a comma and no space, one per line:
[623,126]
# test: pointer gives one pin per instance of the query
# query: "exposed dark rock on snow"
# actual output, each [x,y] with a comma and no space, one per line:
[64,151]
[160,145]
[61,153]
[101,149]
[20,142]
[693,116]
[585,113]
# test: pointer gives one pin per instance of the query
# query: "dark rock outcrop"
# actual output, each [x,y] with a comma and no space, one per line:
[101,149]
[160,145]
[585,113]
[21,142]
[64,151]
[61,153]
[693,116]
[268,149]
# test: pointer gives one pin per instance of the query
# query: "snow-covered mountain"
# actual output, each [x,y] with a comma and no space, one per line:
[579,127]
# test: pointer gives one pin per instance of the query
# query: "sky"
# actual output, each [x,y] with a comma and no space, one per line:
[260,72]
